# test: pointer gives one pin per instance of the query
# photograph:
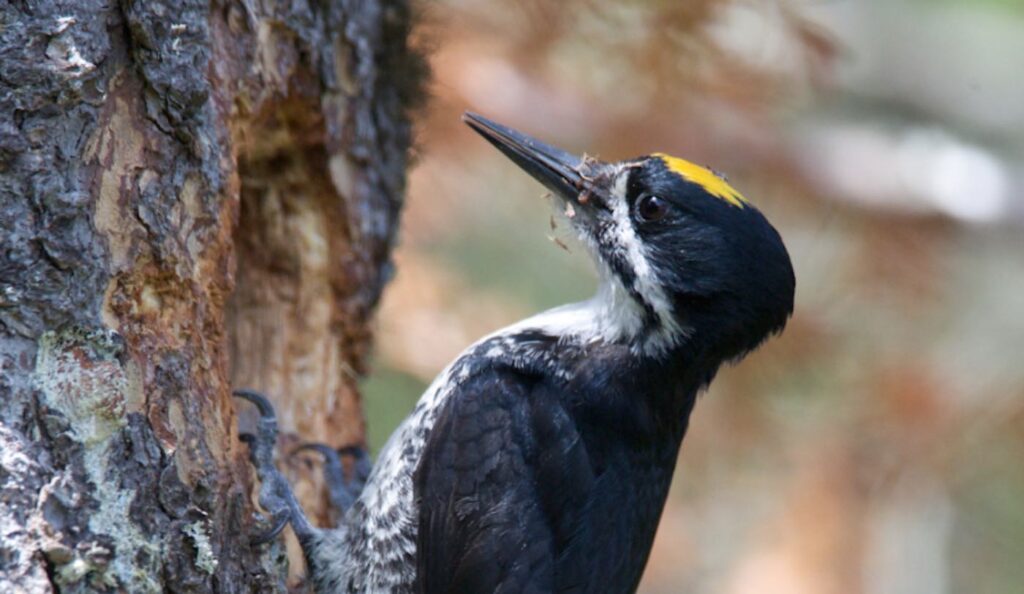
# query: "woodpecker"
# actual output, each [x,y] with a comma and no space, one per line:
[539,460]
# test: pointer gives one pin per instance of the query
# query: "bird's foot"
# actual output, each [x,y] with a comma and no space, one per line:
[341,489]
[275,493]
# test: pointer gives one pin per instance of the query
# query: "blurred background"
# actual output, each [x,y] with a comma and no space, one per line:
[878,445]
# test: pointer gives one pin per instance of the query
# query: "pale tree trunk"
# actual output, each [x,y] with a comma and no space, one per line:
[193,197]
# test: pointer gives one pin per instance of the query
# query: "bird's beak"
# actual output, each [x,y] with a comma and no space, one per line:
[565,174]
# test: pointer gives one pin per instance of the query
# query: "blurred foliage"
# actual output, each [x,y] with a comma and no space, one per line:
[876,446]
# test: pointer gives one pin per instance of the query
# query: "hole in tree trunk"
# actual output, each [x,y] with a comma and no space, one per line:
[291,334]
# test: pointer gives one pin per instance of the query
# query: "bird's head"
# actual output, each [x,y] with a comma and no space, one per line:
[684,257]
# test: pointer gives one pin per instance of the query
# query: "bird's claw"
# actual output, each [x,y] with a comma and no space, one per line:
[279,520]
[342,491]
[275,493]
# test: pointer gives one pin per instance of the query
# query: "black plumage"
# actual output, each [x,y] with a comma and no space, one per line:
[537,481]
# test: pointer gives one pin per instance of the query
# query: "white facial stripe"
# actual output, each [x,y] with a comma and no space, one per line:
[623,235]
[613,314]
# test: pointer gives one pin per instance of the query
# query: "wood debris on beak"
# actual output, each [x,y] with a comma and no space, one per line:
[584,167]
[559,243]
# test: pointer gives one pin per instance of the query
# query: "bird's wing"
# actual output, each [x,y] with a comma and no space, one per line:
[501,466]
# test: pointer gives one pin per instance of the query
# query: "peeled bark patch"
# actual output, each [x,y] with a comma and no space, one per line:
[194,196]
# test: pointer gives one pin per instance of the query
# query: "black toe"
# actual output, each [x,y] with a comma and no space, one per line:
[262,402]
[280,520]
[342,491]
[275,493]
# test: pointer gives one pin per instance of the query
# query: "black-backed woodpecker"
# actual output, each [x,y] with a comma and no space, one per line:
[539,460]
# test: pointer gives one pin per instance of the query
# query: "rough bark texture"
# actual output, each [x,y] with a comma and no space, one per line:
[194,196]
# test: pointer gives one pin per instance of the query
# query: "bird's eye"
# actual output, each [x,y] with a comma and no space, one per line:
[651,208]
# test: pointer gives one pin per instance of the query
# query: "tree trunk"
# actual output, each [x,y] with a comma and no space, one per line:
[193,197]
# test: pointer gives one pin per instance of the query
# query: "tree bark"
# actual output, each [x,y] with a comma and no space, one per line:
[194,196]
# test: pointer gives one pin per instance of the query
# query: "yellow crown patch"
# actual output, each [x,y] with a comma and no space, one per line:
[703,177]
